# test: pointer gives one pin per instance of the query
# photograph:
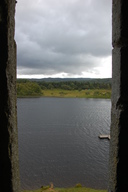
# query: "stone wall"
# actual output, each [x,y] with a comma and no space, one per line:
[9,167]
[9,163]
[119,116]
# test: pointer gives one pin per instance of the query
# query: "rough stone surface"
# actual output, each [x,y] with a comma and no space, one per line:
[119,22]
[9,166]
[119,115]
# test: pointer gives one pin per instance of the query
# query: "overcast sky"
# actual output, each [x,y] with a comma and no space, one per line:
[63,38]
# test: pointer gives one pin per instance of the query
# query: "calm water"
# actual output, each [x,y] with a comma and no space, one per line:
[58,142]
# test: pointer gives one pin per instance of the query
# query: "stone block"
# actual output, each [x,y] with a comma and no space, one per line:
[120,23]
[9,160]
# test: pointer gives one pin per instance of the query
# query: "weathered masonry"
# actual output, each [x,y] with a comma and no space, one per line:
[118,180]
[9,167]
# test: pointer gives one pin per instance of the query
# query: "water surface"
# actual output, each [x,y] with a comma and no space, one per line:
[58,142]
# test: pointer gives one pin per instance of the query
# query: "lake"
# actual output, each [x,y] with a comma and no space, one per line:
[58,142]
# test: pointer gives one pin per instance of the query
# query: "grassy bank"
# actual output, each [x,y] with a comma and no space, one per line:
[92,93]
[80,189]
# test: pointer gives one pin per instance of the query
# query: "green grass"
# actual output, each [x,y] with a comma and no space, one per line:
[78,188]
[73,189]
[82,189]
[92,93]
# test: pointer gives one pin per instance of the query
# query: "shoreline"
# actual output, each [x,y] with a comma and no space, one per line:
[60,93]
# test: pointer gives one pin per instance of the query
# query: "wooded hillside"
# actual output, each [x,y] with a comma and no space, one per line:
[32,87]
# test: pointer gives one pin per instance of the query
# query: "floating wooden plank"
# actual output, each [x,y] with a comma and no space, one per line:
[104,137]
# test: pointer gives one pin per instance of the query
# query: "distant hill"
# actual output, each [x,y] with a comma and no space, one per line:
[61,79]
[105,80]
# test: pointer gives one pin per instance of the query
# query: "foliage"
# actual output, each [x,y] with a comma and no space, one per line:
[83,89]
[74,85]
[43,188]
[78,185]
[28,89]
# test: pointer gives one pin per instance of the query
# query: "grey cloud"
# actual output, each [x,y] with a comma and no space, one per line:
[56,36]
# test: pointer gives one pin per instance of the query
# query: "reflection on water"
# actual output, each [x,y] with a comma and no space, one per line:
[58,142]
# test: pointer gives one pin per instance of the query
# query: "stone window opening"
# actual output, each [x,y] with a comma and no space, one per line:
[9,163]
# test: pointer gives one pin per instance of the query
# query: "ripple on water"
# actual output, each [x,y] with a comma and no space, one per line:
[58,142]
